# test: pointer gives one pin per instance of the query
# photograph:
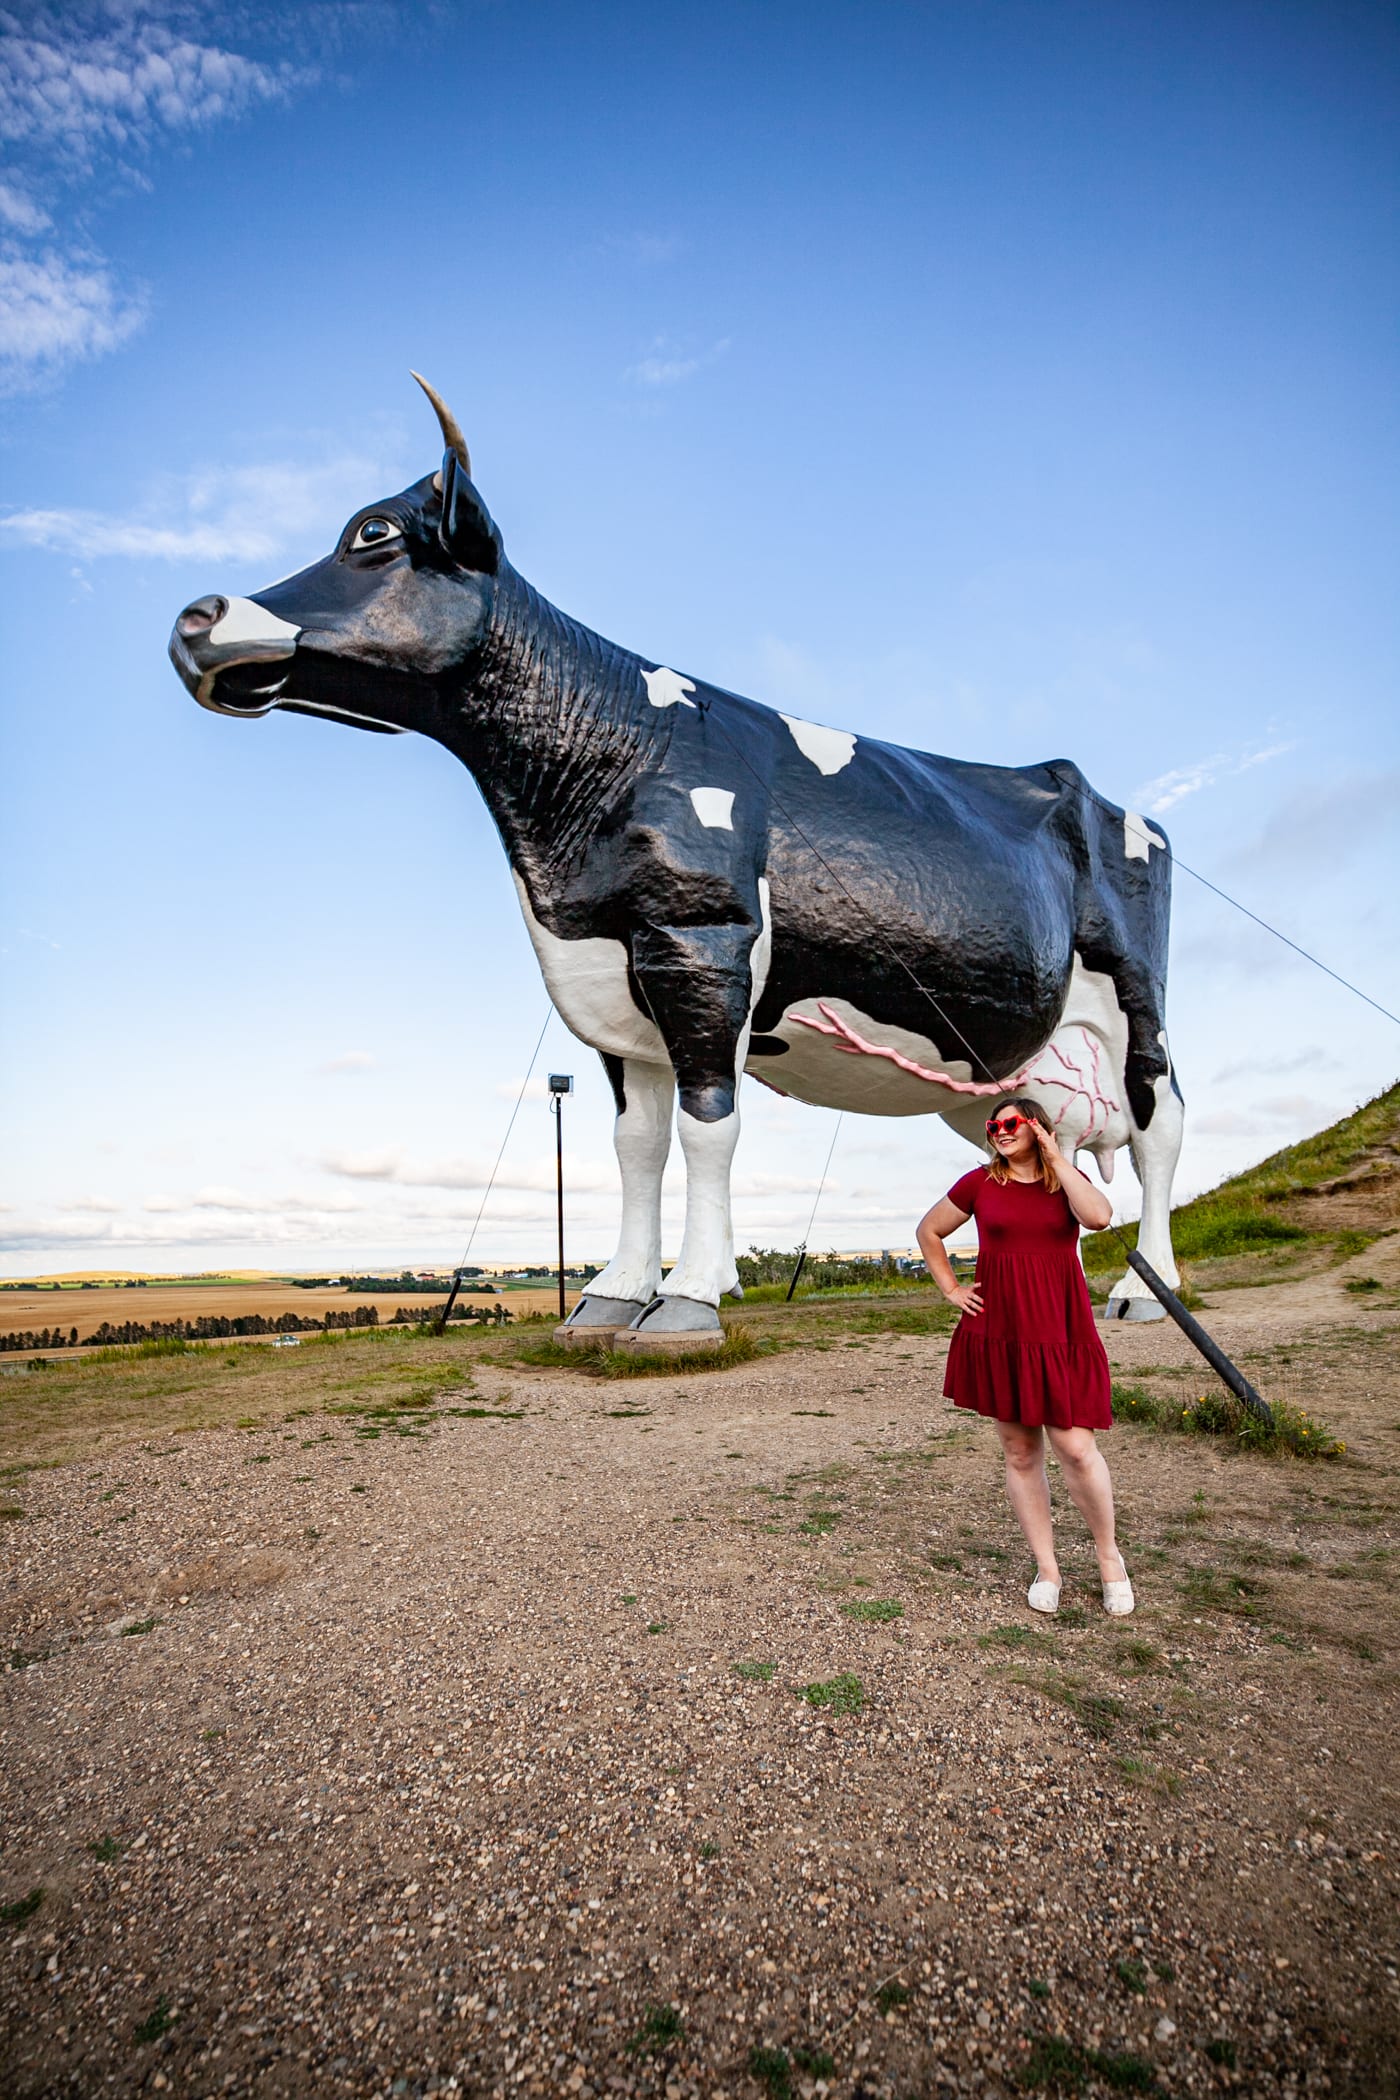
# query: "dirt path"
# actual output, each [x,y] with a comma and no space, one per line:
[433,1771]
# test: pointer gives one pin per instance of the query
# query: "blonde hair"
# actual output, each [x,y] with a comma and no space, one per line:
[998,1168]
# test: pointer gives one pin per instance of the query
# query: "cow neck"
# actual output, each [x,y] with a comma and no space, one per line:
[557,719]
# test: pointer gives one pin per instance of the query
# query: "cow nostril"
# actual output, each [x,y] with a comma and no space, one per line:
[199,617]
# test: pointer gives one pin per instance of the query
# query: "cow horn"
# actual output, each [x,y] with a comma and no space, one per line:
[451,432]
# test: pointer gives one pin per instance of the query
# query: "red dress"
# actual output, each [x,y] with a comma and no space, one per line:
[1033,1353]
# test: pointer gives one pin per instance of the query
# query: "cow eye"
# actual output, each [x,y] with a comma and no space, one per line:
[376,532]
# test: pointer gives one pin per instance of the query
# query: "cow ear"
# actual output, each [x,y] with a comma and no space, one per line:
[466,530]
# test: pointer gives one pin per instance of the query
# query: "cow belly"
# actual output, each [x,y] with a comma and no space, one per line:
[587,980]
[824,1069]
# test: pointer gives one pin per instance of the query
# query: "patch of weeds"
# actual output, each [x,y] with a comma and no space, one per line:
[485,1414]
[1133,1403]
[1164,1972]
[311,1534]
[1138,1657]
[772,2067]
[755,1672]
[1062,2066]
[876,1611]
[24,1659]
[844,1694]
[25,1907]
[1099,1712]
[1142,1773]
[891,1995]
[1012,1637]
[264,1458]
[158,2021]
[662,2027]
[949,1561]
[139,1626]
[1072,1615]
[106,1848]
[709,1849]
[1132,1975]
[657,1626]
[817,2063]
[1362,1284]
[1036,1988]
[818,1414]
[211,1735]
[819,1522]
[1221,2051]
[628,1597]
[10,1513]
[909,1319]
[636,1414]
[1207,1589]
[357,1487]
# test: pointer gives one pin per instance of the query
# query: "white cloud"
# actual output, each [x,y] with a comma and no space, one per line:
[20,212]
[65,89]
[221,514]
[666,367]
[509,1090]
[351,1061]
[1311,1058]
[56,309]
[581,1176]
[92,1203]
[1159,795]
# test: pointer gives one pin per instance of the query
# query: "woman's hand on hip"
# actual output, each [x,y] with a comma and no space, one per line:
[967,1297]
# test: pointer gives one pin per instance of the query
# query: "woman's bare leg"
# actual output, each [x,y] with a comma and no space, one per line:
[1091,1492]
[1028,1492]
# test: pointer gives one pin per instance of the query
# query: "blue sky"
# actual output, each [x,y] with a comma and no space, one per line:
[1014,381]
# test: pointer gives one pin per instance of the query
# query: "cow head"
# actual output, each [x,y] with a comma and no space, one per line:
[376,633]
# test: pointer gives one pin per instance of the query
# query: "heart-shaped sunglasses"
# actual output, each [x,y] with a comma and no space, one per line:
[1006,1126]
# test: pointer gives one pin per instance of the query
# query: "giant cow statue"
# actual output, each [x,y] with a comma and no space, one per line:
[712,887]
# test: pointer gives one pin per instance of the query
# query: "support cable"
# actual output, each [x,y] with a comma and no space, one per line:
[802,1250]
[446,1312]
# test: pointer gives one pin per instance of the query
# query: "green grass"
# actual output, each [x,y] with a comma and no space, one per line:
[844,1694]
[662,2027]
[755,1672]
[1241,1216]
[1060,2066]
[23,1907]
[158,2021]
[1295,1433]
[876,1611]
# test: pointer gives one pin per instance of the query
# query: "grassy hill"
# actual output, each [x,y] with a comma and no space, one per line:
[1341,1186]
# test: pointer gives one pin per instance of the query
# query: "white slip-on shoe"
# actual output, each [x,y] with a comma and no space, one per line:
[1118,1598]
[1044,1597]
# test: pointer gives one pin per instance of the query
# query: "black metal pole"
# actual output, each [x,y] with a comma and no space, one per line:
[559,1188]
[1212,1352]
[801,1265]
[446,1314]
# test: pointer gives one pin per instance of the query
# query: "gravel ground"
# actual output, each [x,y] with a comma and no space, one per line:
[383,1764]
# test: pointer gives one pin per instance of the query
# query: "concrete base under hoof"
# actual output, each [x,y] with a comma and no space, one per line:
[587,1337]
[647,1341]
[1133,1309]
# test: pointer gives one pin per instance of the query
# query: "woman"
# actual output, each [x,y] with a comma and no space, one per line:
[1026,1351]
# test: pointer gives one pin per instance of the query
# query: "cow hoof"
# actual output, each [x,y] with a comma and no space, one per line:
[605,1312]
[735,1291]
[1134,1309]
[677,1316]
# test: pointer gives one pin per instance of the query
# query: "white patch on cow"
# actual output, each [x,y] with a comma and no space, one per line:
[1139,838]
[251,627]
[714,807]
[587,980]
[667,688]
[828,749]
[816,1069]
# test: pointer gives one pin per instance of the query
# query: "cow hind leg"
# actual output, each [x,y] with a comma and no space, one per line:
[1155,1152]
[645,1094]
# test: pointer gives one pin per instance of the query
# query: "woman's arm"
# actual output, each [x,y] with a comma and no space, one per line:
[1090,1205]
[933,1229]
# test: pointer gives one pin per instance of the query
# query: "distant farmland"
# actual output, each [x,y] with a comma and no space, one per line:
[87,1309]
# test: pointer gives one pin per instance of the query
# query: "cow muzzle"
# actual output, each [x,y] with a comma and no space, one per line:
[224,648]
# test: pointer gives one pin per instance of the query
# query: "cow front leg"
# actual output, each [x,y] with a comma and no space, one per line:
[1155,1152]
[645,1095]
[698,986]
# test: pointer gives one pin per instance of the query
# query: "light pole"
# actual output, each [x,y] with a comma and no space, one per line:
[560,1083]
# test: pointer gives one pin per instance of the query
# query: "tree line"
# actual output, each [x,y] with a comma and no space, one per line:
[220,1327]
